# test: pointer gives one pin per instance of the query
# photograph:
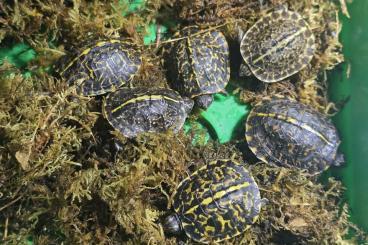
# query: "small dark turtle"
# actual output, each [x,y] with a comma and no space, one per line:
[102,67]
[136,110]
[278,45]
[217,202]
[198,65]
[287,133]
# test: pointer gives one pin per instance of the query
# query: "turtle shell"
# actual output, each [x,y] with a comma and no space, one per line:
[102,67]
[217,202]
[287,133]
[278,45]
[198,64]
[136,110]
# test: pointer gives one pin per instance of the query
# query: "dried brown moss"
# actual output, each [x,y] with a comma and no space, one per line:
[67,177]
[300,207]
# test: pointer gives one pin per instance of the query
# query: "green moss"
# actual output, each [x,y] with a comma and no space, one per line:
[67,177]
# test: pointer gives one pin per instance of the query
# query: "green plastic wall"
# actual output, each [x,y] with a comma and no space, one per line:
[352,120]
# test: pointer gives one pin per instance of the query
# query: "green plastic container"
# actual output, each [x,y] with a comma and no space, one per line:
[352,120]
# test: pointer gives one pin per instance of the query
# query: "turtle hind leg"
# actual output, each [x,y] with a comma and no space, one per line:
[340,160]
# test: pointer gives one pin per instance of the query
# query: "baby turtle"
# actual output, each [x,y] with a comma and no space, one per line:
[278,45]
[102,67]
[136,110]
[217,202]
[198,65]
[287,133]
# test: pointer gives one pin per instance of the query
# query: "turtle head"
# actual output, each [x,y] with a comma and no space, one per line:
[172,224]
[339,160]
[204,101]
[188,105]
[261,202]
[264,202]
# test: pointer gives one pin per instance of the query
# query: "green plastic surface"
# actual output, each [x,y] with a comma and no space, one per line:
[133,6]
[352,120]
[225,117]
[18,55]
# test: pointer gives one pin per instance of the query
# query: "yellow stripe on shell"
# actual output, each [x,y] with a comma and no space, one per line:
[87,50]
[218,195]
[192,63]
[102,43]
[293,121]
[209,229]
[223,222]
[142,98]
[91,72]
[286,40]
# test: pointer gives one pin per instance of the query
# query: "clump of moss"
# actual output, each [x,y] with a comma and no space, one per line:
[40,137]
[136,187]
[67,177]
[301,208]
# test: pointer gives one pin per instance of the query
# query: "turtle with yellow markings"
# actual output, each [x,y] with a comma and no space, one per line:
[217,202]
[198,64]
[287,133]
[277,46]
[132,111]
[102,66]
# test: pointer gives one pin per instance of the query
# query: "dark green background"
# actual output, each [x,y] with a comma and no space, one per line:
[352,120]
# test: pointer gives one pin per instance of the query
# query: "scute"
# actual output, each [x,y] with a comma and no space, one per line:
[136,110]
[217,202]
[198,64]
[102,67]
[287,133]
[278,45]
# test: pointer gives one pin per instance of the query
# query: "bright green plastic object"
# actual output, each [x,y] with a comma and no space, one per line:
[226,117]
[352,120]
[132,5]
[18,55]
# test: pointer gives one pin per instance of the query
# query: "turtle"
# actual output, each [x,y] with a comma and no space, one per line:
[198,64]
[102,66]
[285,132]
[217,202]
[277,46]
[132,111]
